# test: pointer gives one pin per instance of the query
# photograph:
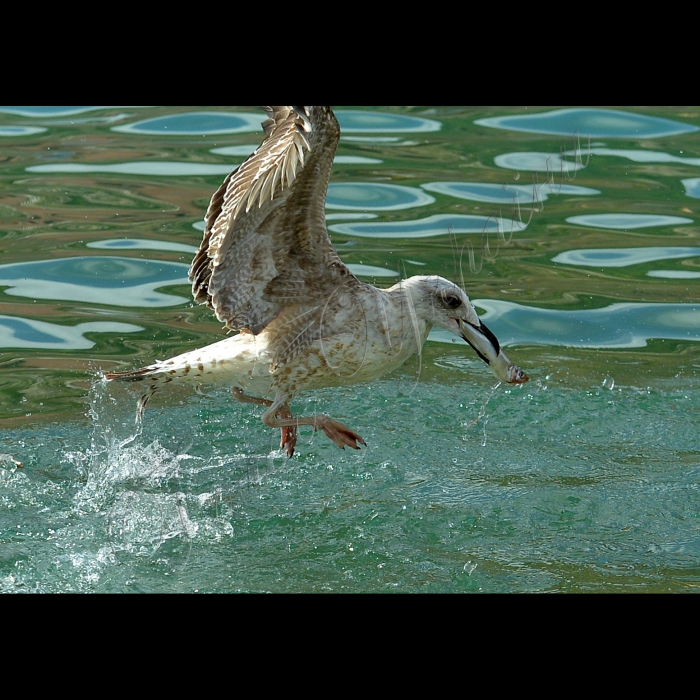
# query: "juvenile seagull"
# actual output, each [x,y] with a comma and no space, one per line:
[268,269]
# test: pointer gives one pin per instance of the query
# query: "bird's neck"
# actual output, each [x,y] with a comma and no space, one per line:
[411,323]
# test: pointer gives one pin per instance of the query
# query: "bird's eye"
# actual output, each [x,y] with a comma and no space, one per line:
[451,301]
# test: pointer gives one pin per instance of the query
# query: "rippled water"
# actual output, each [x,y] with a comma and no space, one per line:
[575,232]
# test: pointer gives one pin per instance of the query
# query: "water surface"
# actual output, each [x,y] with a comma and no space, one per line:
[585,262]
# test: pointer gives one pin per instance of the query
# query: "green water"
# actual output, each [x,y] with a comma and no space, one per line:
[585,479]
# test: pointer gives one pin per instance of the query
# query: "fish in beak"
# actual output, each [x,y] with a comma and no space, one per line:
[487,347]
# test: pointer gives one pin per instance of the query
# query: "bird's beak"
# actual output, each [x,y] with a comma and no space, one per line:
[487,347]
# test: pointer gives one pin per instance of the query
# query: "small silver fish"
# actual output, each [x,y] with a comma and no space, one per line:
[487,347]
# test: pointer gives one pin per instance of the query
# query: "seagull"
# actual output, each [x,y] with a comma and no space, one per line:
[267,268]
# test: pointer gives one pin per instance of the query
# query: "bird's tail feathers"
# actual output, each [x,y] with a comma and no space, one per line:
[135,375]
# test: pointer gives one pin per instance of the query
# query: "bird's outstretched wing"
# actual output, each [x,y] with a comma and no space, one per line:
[266,252]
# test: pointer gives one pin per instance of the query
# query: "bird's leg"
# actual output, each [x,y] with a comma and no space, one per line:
[244,398]
[288,438]
[340,434]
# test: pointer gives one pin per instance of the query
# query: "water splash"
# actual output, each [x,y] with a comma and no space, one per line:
[135,487]
[469,567]
[482,417]
[9,461]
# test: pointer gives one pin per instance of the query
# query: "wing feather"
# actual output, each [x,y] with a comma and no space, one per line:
[295,330]
[265,247]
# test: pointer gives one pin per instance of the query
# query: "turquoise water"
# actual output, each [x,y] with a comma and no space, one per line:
[584,261]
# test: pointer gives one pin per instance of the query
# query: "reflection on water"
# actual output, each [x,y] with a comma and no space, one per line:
[639,156]
[73,121]
[244,150]
[375,196]
[505,194]
[101,280]
[199,123]
[597,123]
[142,244]
[195,124]
[616,326]
[623,257]
[378,140]
[692,187]
[20,130]
[356,160]
[137,168]
[355,216]
[357,121]
[626,221]
[41,111]
[30,333]
[535,161]
[674,274]
[438,225]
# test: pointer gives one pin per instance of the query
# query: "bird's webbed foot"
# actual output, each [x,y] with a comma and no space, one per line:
[340,434]
[280,416]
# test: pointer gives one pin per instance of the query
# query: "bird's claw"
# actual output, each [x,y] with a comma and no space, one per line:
[288,439]
[340,434]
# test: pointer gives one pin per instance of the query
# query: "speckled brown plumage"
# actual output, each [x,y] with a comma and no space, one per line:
[267,268]
[265,246]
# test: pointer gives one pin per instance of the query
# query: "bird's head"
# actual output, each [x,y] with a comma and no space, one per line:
[441,303]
